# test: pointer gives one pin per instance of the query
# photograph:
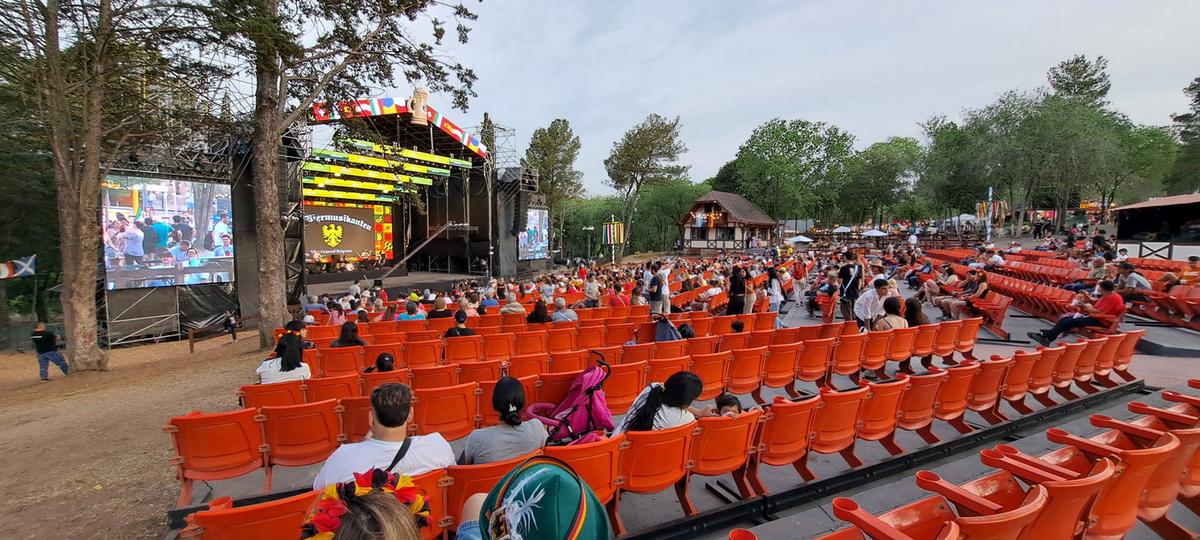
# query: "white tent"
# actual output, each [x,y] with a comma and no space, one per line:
[874,233]
[841,230]
[966,218]
[799,239]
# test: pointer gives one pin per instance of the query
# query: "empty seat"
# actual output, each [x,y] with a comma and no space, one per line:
[1067,499]
[703,345]
[836,424]
[848,354]
[1064,369]
[532,342]
[814,360]
[784,438]
[901,345]
[280,518]
[922,343]
[507,319]
[466,480]
[596,463]
[944,345]
[372,380]
[568,360]
[423,353]
[723,445]
[323,388]
[1106,359]
[435,492]
[779,369]
[590,337]
[967,335]
[984,393]
[953,394]
[786,335]
[917,404]
[637,353]
[611,355]
[1125,354]
[723,324]
[713,370]
[623,385]
[553,386]
[439,325]
[280,393]
[525,365]
[760,338]
[215,446]
[1017,380]
[299,435]
[730,342]
[410,326]
[423,335]
[356,419]
[340,361]
[562,339]
[652,462]
[499,346]
[875,351]
[618,334]
[484,321]
[765,321]
[464,349]
[880,412]
[671,349]
[449,410]
[431,377]
[746,367]
[480,371]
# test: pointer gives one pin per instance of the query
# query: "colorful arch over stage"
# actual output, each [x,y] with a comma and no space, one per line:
[322,113]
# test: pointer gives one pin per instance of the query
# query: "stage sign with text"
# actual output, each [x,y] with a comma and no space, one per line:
[345,232]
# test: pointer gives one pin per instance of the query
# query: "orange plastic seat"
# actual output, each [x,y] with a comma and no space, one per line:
[323,388]
[901,345]
[562,339]
[661,369]
[980,517]
[724,445]
[702,325]
[372,380]
[784,437]
[409,326]
[371,352]
[760,338]
[439,325]
[568,360]
[1106,359]
[596,463]
[452,411]
[1041,377]
[953,395]
[340,361]
[499,346]
[810,332]
[785,336]
[488,388]
[923,341]
[652,462]
[280,518]
[813,362]
[1016,381]
[836,424]
[480,371]
[553,386]
[722,325]
[381,327]
[484,321]
[638,353]
[730,342]
[215,446]
[624,383]
[1067,500]
[419,354]
[464,349]
[532,342]
[423,335]
[917,404]
[466,480]
[671,349]
[528,364]
[746,370]
[618,334]
[830,329]
[514,328]
[435,492]
[356,419]
[280,393]
[703,345]
[388,338]
[612,355]
[645,331]
[590,337]
[847,354]
[299,435]
[967,335]
[881,411]
[430,377]
[1085,365]
[874,352]
[1064,369]
[928,518]
[713,370]
[765,321]
[944,345]
[779,369]
[1124,357]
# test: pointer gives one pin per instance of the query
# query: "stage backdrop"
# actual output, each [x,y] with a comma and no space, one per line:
[346,232]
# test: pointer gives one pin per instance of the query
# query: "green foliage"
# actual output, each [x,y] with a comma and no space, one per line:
[646,155]
[878,176]
[1185,175]
[950,178]
[552,153]
[790,168]
[662,207]
[728,178]
[1082,79]
[29,177]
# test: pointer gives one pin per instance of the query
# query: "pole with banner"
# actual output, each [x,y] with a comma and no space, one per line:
[614,233]
[989,215]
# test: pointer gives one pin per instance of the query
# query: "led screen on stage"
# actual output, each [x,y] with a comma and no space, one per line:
[161,233]
[534,242]
[347,233]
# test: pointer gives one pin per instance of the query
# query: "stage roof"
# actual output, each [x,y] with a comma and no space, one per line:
[1161,201]
[390,116]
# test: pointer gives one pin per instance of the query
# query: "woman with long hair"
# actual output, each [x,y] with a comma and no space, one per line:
[288,363]
[774,289]
[892,316]
[665,405]
[737,292]
[913,313]
[512,437]
[349,336]
[539,314]
[337,314]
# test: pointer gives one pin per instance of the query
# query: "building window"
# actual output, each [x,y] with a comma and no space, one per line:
[724,233]
[699,233]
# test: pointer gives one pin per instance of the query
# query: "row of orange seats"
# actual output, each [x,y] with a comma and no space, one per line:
[782,433]
[1177,306]
[1049,303]
[1095,487]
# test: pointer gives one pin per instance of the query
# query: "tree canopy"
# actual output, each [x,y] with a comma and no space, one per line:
[552,153]
[647,155]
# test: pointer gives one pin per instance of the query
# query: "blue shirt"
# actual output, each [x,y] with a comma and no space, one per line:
[407,317]
[489,302]
[164,233]
[223,251]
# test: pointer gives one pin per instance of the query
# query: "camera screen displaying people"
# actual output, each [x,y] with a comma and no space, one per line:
[534,241]
[161,233]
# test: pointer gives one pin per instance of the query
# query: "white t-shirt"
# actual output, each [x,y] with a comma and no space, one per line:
[427,452]
[269,372]
[912,239]
[667,417]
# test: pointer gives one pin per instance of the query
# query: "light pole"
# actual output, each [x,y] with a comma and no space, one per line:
[588,229]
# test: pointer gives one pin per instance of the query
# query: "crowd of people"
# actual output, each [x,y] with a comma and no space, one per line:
[142,242]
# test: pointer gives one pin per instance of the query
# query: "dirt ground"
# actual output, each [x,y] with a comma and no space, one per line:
[85,456]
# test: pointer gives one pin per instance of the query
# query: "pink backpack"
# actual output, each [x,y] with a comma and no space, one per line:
[582,412]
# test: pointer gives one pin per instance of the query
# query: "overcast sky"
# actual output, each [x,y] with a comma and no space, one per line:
[876,69]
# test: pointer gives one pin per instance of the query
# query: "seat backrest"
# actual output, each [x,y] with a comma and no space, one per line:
[562,339]
[1107,357]
[1064,370]
[847,354]
[760,338]
[356,419]
[568,360]
[464,349]
[280,518]
[1017,378]
[985,385]
[499,346]
[554,386]
[644,331]
[424,335]
[323,388]
[435,492]
[432,377]
[968,334]
[946,342]
[656,460]
[532,342]
[590,337]
[638,352]
[1128,345]
[786,335]
[480,371]
[731,341]
[299,435]
[746,368]
[724,444]
[280,393]
[1114,513]
[901,345]
[524,365]
[786,430]
[372,380]
[809,332]
[488,388]
[410,325]
[372,352]
[952,395]
[713,370]
[660,369]
[923,341]
[703,344]
[722,324]
[485,321]
[217,445]
[623,385]
[882,407]
[874,353]
[702,325]
[671,349]
[612,355]
[765,321]
[1085,365]
[1041,377]
[596,463]
[467,480]
[916,406]
[340,361]
[452,411]
[836,424]
[814,359]
[779,369]
[619,334]
[1011,524]
[423,353]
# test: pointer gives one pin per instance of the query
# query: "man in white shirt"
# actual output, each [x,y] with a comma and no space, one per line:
[912,240]
[388,445]
[869,305]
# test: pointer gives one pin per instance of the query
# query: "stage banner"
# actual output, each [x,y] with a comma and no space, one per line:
[346,232]
[25,266]
[614,232]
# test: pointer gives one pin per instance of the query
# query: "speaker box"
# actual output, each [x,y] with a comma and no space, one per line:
[521,212]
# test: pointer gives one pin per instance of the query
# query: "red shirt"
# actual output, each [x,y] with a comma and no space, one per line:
[1110,304]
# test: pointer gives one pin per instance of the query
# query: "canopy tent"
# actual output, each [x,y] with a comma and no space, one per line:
[966,218]
[874,233]
[799,239]
[841,230]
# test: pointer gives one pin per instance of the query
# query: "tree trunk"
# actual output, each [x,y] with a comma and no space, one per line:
[272,295]
[203,214]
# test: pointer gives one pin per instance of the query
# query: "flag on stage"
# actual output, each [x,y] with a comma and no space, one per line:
[18,267]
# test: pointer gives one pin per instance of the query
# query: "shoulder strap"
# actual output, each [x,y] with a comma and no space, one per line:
[400,454]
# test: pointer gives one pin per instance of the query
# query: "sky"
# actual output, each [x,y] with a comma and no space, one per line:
[874,69]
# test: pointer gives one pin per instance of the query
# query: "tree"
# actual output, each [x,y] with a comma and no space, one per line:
[1080,78]
[587,211]
[1144,155]
[879,176]
[101,77]
[728,178]
[1185,175]
[552,153]
[663,205]
[949,177]
[786,164]
[645,156]
[304,50]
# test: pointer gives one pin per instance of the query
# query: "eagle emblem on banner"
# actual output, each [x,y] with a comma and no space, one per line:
[332,234]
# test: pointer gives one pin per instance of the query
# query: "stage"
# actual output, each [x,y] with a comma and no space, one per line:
[395,285]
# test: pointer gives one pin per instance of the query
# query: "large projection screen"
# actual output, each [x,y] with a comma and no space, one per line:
[337,232]
[163,233]
[534,242]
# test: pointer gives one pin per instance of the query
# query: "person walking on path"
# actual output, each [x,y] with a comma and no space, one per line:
[45,343]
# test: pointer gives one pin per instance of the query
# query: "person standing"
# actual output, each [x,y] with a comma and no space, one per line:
[850,276]
[220,228]
[45,343]
[655,289]
[133,238]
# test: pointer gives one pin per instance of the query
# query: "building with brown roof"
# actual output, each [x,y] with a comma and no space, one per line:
[721,220]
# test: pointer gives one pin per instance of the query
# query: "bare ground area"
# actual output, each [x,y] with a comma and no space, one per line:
[85,456]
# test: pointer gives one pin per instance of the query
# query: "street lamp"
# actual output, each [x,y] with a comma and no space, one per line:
[588,229]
